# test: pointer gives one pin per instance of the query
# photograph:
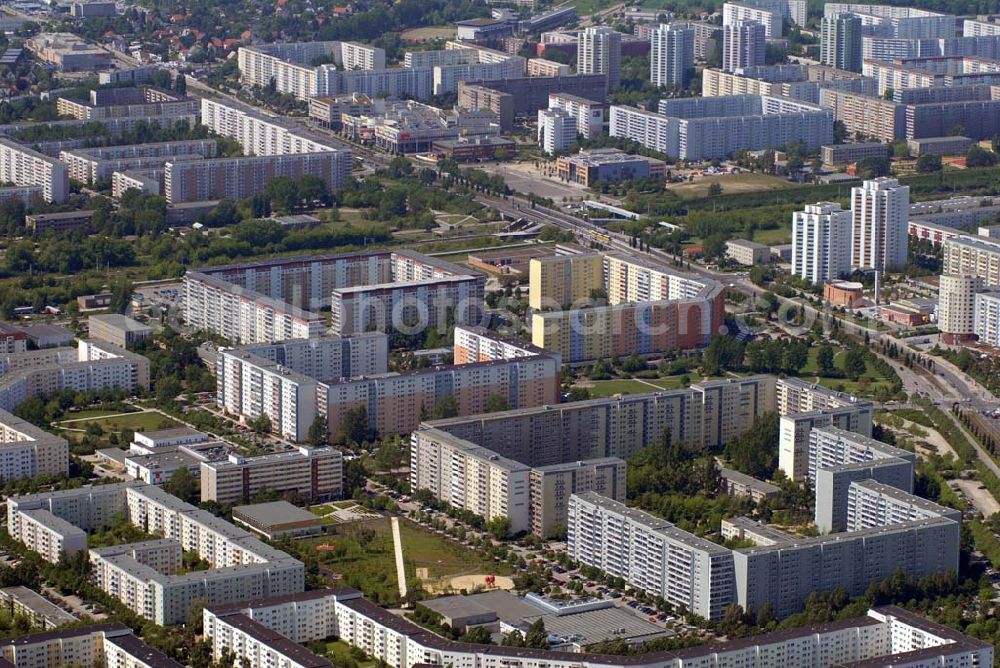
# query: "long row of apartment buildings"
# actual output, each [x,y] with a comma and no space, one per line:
[524,464]
[649,308]
[863,488]
[272,632]
[144,576]
[295,382]
[91,366]
[357,68]
[275,300]
[273,148]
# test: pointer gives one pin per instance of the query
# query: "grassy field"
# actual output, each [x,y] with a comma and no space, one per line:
[136,422]
[781,235]
[607,388]
[362,553]
[429,32]
[342,654]
[92,413]
[731,184]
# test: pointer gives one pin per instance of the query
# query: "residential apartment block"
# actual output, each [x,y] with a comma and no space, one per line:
[276,300]
[143,575]
[92,365]
[650,308]
[23,166]
[652,554]
[111,644]
[477,344]
[957,306]
[90,165]
[315,474]
[26,451]
[282,380]
[269,632]
[239,178]
[821,242]
[396,403]
[715,127]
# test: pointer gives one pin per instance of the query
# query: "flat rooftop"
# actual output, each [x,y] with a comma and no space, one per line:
[274,513]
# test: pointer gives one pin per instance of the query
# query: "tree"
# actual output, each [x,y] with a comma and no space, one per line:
[537,637]
[753,452]
[354,426]
[499,527]
[824,360]
[260,424]
[496,403]
[121,295]
[929,163]
[446,407]
[714,189]
[854,364]
[180,84]
[318,434]
[874,167]
[980,157]
[183,485]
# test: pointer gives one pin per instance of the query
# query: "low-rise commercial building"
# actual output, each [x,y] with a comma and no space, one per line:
[747,253]
[68,52]
[842,154]
[608,164]
[64,221]
[277,519]
[117,329]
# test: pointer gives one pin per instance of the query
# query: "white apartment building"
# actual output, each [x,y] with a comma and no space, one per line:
[771,19]
[27,451]
[957,306]
[671,55]
[556,130]
[873,504]
[23,166]
[830,447]
[314,473]
[471,477]
[142,575]
[50,536]
[651,554]
[986,318]
[599,51]
[589,114]
[111,645]
[290,65]
[880,210]
[743,45]
[267,633]
[821,242]
[976,255]
[282,380]
[794,430]
[478,344]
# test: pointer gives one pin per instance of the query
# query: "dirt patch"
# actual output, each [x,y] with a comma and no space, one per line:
[978,495]
[477,581]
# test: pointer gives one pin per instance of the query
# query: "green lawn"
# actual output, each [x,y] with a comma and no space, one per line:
[91,413]
[775,237]
[342,654]
[363,554]
[150,421]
